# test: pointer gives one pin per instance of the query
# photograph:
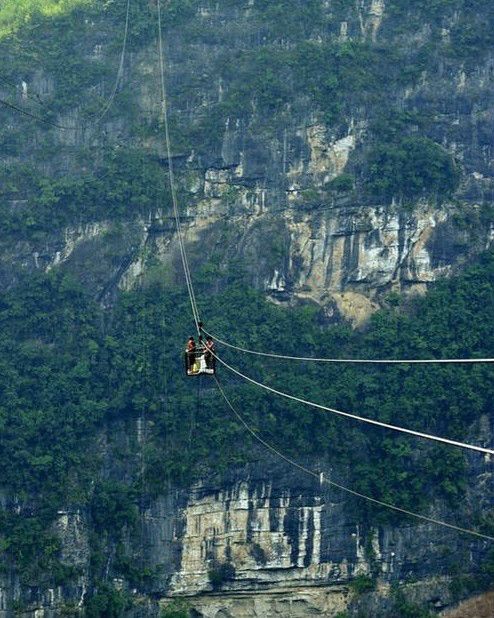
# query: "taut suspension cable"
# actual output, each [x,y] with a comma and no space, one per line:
[357,494]
[391,361]
[355,417]
[171,175]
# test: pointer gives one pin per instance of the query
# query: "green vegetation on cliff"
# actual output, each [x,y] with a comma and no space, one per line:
[411,168]
[130,180]
[296,59]
[14,14]
[68,372]
[73,374]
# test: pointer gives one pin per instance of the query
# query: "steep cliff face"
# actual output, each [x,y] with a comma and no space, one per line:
[265,153]
[333,152]
[274,543]
[266,541]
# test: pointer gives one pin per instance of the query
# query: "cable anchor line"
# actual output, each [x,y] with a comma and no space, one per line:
[171,177]
[362,419]
[322,479]
[120,71]
[34,116]
[390,361]
[108,103]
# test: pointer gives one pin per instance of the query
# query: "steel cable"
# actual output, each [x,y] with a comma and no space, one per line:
[354,360]
[171,176]
[355,417]
[338,485]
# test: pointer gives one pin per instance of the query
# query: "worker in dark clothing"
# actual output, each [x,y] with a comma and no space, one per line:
[209,353]
[190,351]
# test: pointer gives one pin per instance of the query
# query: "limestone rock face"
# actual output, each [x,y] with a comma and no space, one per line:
[268,180]
[262,192]
[264,540]
[268,540]
[328,601]
[262,534]
[342,253]
[273,542]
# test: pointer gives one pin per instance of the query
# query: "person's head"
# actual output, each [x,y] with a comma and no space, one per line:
[209,339]
[191,339]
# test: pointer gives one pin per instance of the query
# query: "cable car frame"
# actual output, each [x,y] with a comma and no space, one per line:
[203,363]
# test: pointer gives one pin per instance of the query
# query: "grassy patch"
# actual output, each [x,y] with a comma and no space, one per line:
[16,13]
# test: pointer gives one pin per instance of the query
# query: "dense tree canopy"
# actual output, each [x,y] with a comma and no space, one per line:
[68,371]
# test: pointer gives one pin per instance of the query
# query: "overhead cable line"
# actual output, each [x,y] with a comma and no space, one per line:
[35,99]
[355,417]
[120,68]
[357,494]
[38,118]
[107,105]
[390,361]
[171,176]
[196,313]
